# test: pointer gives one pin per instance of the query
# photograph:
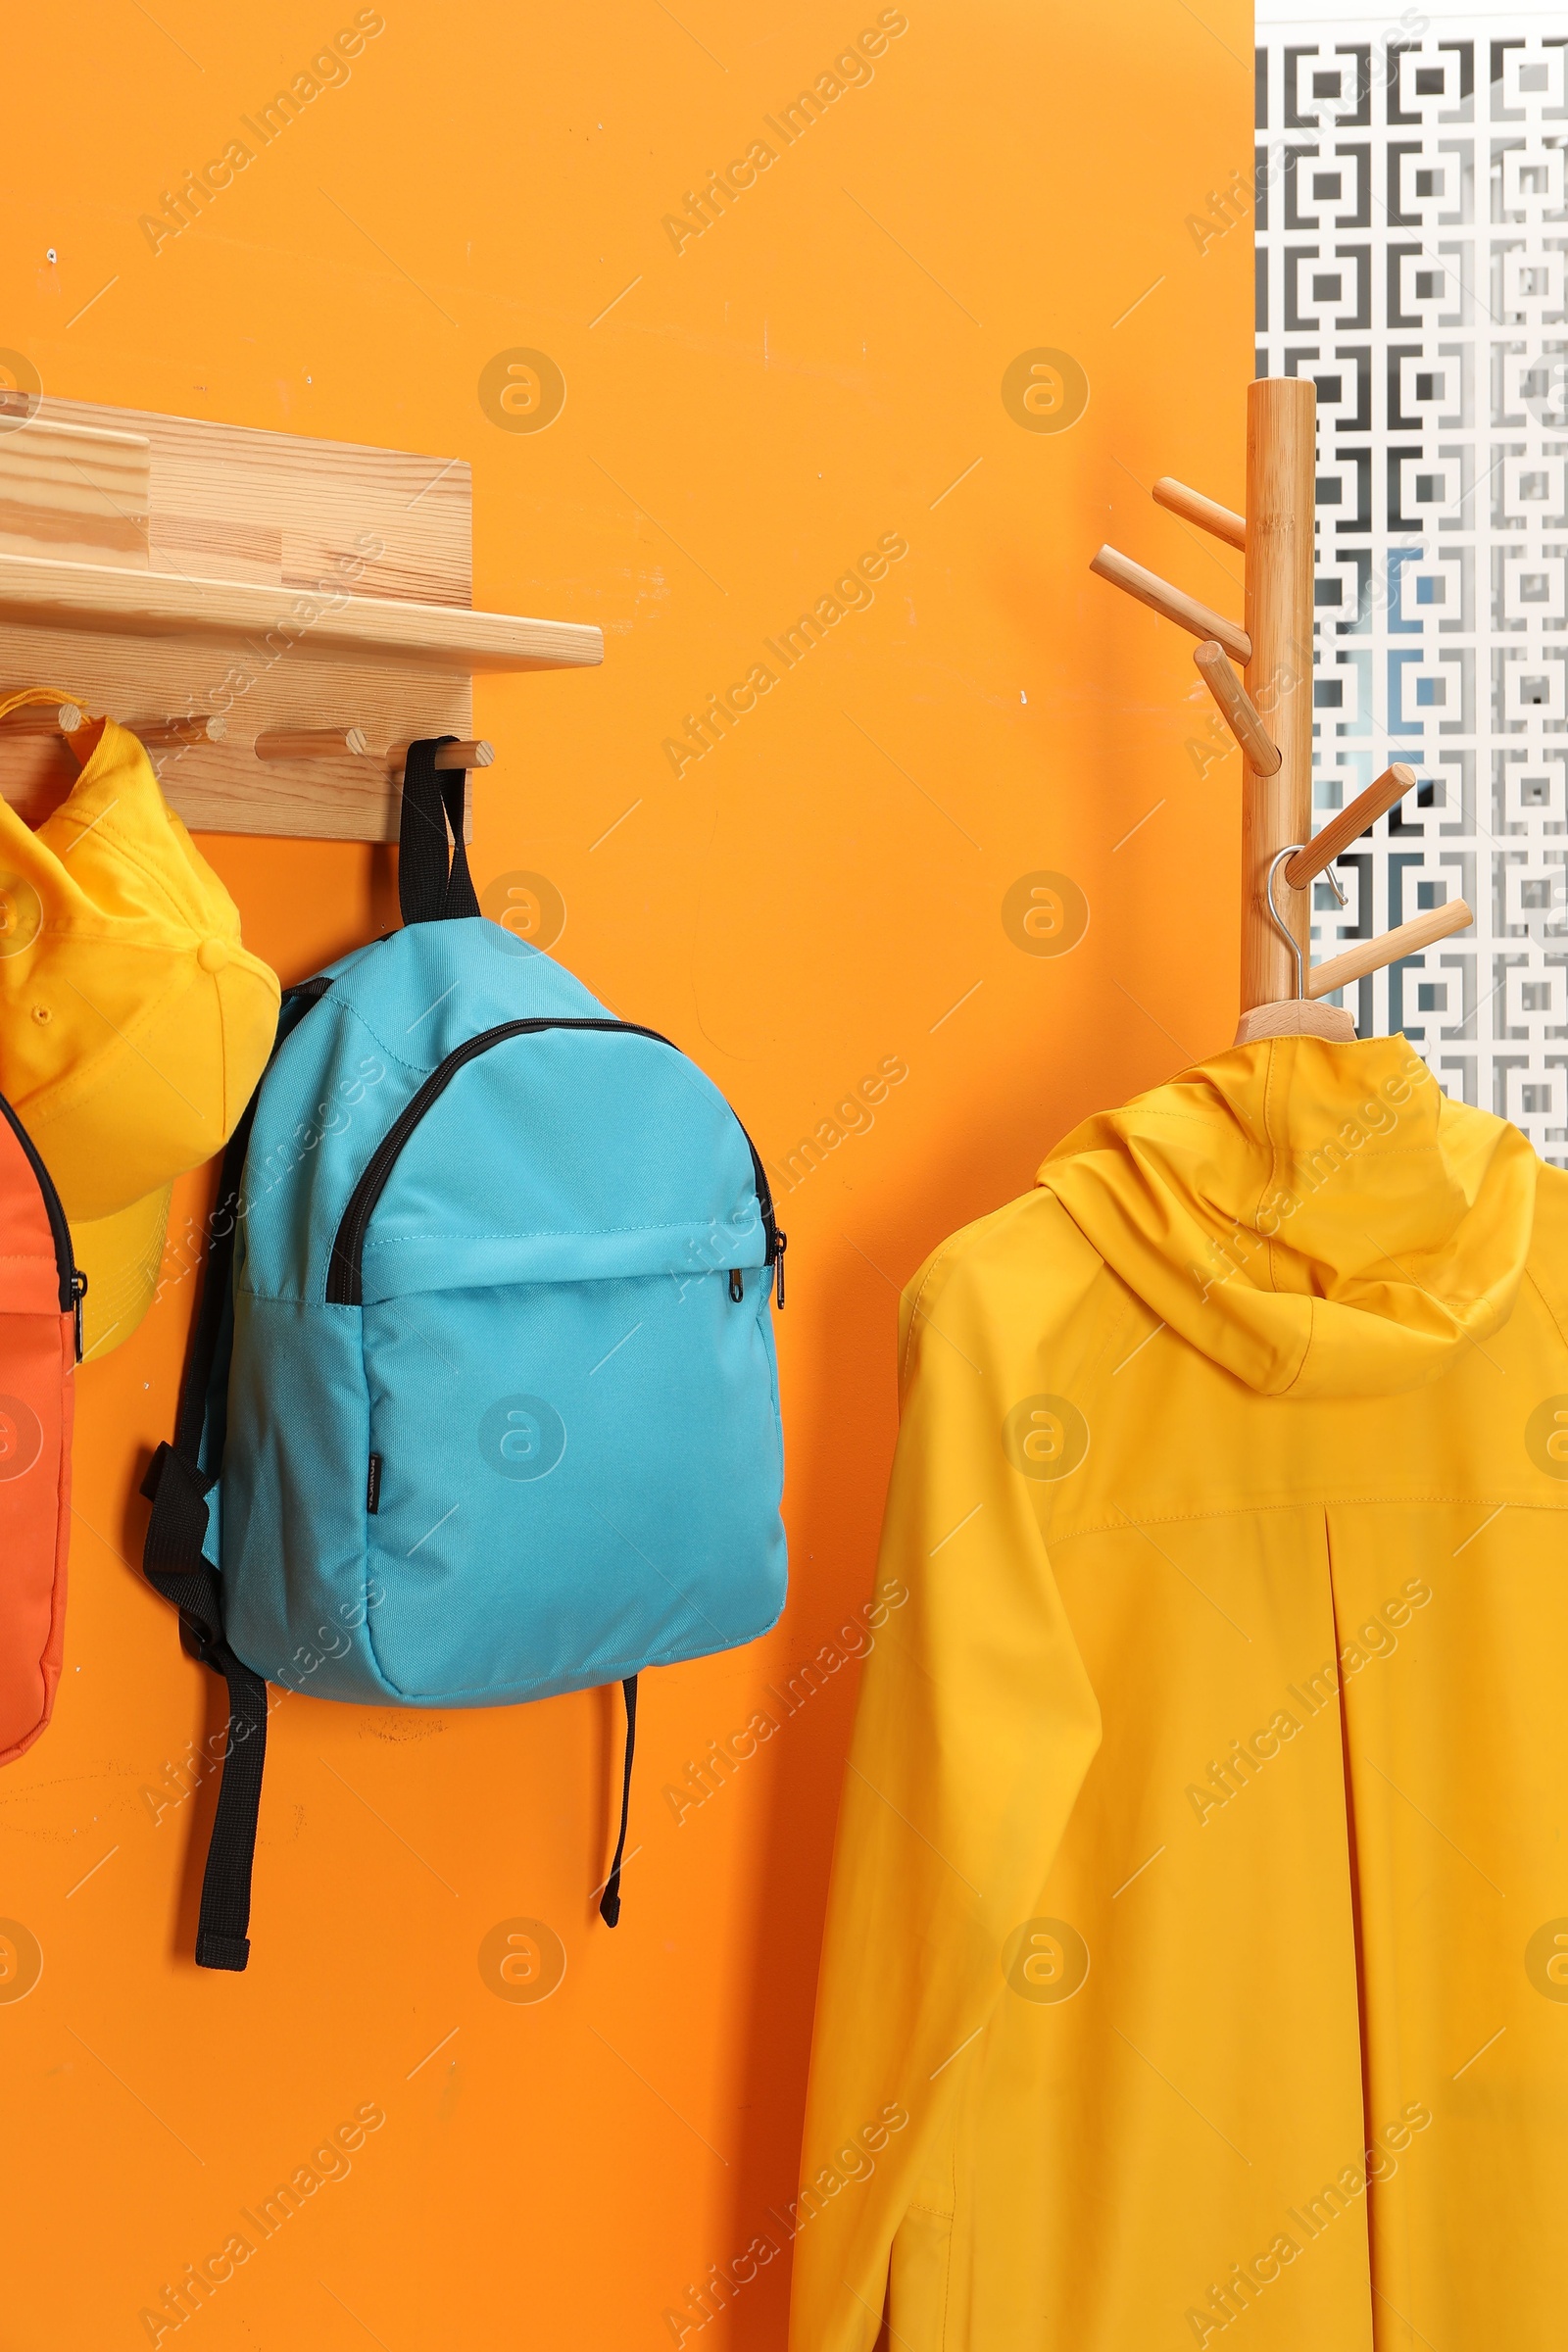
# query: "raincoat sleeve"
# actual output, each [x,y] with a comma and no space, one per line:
[975,1726]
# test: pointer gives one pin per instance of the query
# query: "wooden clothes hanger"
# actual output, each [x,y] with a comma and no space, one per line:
[1270,717]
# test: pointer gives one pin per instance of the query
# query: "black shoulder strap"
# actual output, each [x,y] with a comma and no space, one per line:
[429,890]
[173,1563]
[175,1566]
[609,1900]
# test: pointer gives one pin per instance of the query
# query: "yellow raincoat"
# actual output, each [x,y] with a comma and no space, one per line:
[1201,1900]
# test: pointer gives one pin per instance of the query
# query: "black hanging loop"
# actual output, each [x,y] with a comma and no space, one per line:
[430,890]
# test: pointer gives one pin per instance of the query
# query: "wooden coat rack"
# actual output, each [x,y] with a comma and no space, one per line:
[276,617]
[1270,716]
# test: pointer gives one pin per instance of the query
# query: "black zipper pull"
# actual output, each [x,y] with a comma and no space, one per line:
[737,1285]
[79,1291]
[775,1257]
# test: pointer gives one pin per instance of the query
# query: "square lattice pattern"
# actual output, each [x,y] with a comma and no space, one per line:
[1412,246]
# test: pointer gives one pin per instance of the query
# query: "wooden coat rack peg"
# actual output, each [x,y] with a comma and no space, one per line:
[350,743]
[1270,716]
[36,718]
[1237,708]
[311,743]
[180,734]
[465,754]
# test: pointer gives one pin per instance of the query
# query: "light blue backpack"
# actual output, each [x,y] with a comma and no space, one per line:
[482,1402]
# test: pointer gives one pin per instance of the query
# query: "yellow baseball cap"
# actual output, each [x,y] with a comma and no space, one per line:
[133,1024]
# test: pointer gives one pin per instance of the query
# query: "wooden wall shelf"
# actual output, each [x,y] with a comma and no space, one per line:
[99,596]
[157,568]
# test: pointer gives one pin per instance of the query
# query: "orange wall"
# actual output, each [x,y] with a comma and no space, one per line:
[821,366]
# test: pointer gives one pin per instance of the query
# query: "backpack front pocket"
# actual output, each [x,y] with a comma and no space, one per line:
[575,1479]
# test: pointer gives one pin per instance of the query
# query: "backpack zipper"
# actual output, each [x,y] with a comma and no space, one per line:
[72,1284]
[345,1268]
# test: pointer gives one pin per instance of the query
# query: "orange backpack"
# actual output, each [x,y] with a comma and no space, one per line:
[40,1341]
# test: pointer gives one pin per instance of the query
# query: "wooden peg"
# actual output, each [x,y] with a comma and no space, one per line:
[307,742]
[1192,507]
[465,754]
[1350,824]
[1172,604]
[37,718]
[1236,709]
[167,734]
[1371,954]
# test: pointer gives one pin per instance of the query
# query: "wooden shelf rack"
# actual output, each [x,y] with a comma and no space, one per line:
[219,584]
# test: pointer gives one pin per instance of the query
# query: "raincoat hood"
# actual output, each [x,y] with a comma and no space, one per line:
[1318,1218]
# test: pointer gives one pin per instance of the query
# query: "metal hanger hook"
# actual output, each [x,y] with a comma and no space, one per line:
[1291,849]
[1278,921]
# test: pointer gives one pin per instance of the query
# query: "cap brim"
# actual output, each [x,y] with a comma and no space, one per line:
[121,1256]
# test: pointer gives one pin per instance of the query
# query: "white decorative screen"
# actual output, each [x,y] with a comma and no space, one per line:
[1413,241]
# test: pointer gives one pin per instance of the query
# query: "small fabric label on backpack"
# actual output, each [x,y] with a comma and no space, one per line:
[372,1486]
